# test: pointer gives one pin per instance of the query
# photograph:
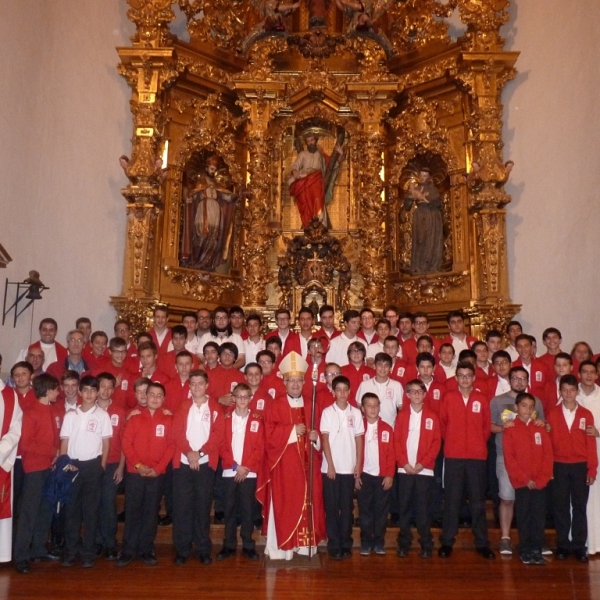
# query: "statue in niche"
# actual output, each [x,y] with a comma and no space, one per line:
[208,218]
[362,15]
[273,12]
[427,224]
[313,177]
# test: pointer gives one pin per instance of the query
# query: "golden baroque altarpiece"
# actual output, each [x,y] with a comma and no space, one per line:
[386,92]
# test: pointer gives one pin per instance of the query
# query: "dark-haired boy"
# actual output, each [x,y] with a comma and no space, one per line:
[166,362]
[160,333]
[551,338]
[39,448]
[457,336]
[338,348]
[85,437]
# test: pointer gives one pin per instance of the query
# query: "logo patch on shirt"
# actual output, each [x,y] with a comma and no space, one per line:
[476,406]
[57,419]
[389,394]
[385,436]
[538,376]
[351,421]
[400,372]
[436,394]
[206,416]
[260,405]
[322,378]
[92,426]
[114,420]
[366,377]
[160,431]
[538,438]
[272,392]
[233,386]
[429,424]
[254,426]
[124,385]
[582,423]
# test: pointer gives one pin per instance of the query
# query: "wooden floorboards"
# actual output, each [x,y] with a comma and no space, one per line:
[465,576]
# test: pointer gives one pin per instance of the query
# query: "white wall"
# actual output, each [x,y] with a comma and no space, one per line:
[64,121]
[552,132]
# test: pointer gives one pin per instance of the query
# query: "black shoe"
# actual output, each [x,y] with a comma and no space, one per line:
[347,553]
[537,559]
[179,560]
[402,552]
[219,516]
[581,556]
[258,523]
[445,551]
[88,562]
[44,557]
[121,517]
[165,521]
[426,553]
[225,553]
[22,567]
[55,553]
[205,559]
[486,552]
[124,559]
[526,558]
[110,554]
[562,553]
[68,561]
[251,554]
[437,523]
[149,558]
[394,519]
[335,555]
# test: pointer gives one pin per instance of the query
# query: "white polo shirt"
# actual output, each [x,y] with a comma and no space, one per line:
[343,426]
[371,465]
[412,442]
[390,395]
[238,436]
[197,430]
[251,349]
[85,431]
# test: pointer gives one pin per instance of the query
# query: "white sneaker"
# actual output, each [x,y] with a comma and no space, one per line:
[505,546]
[546,551]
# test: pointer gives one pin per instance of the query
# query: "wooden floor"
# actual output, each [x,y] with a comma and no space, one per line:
[465,576]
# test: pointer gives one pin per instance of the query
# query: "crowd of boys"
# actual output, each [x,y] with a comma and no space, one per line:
[284,431]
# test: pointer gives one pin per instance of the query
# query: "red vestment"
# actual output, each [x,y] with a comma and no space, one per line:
[309,194]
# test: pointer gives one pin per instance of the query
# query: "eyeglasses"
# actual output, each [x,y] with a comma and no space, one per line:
[497,363]
[465,376]
[221,318]
[332,374]
[415,392]
[76,341]
[242,396]
[513,378]
[265,362]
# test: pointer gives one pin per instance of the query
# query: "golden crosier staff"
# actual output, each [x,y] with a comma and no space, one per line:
[315,374]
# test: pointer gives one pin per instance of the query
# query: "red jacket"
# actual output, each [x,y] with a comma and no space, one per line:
[322,333]
[61,351]
[212,447]
[362,336]
[39,438]
[548,361]
[573,446]
[132,360]
[400,371]
[254,443]
[527,454]
[123,395]
[272,384]
[91,359]
[465,429]
[551,396]
[118,418]
[260,402]
[166,364]
[538,377]
[430,437]
[148,439]
[470,340]
[291,343]
[409,348]
[27,400]
[176,393]
[385,445]
[164,347]
[222,381]
[434,395]
[479,385]
[59,368]
[356,377]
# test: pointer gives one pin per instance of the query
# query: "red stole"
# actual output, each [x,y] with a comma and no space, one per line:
[8,396]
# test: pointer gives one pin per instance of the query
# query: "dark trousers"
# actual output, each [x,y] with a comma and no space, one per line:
[337,497]
[373,506]
[570,491]
[106,535]
[530,507]
[83,508]
[464,475]
[35,517]
[493,487]
[219,492]
[239,500]
[143,496]
[17,487]
[437,493]
[193,496]
[167,490]
[414,494]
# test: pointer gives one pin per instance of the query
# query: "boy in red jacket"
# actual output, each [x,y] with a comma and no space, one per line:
[39,447]
[575,469]
[417,440]
[528,461]
[376,478]
[148,447]
[242,455]
[198,426]
[465,420]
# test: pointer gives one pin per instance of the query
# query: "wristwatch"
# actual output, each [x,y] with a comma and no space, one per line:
[202,454]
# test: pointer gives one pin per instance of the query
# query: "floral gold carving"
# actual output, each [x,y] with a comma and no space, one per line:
[207,287]
[429,289]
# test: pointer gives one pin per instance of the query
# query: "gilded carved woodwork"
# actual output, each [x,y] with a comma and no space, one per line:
[254,77]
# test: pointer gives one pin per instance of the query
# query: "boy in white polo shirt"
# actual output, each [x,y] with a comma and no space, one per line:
[85,437]
[342,435]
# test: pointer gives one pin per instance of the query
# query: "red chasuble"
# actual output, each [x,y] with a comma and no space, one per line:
[288,471]
[8,397]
